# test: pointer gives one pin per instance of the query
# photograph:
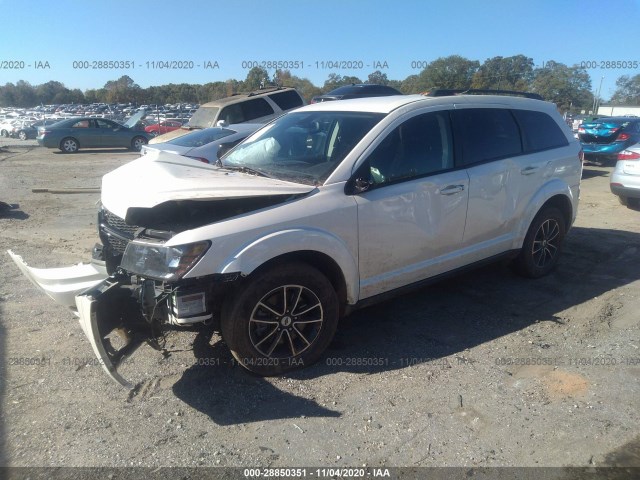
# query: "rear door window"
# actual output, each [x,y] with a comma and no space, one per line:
[486,134]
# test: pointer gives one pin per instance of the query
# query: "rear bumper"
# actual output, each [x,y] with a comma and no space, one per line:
[603,148]
[45,142]
[626,192]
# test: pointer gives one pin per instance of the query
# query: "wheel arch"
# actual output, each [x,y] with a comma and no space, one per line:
[556,194]
[562,203]
[320,261]
[319,248]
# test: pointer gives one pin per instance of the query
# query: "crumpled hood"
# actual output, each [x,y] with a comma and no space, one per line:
[147,182]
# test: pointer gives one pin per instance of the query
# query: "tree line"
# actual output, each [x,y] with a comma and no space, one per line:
[567,86]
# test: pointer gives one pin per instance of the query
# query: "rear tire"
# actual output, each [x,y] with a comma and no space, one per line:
[542,245]
[69,145]
[281,319]
[22,135]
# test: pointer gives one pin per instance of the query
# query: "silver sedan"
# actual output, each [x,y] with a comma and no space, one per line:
[206,145]
[625,179]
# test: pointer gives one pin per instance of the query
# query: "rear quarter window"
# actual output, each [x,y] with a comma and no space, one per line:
[486,134]
[256,108]
[539,131]
[287,100]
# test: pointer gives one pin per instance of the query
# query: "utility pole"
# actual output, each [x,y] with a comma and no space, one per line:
[597,99]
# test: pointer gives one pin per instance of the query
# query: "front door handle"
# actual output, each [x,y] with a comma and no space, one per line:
[452,189]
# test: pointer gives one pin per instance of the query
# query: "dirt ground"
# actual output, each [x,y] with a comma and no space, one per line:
[486,369]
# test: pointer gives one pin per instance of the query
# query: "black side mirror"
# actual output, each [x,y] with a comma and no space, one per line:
[361,185]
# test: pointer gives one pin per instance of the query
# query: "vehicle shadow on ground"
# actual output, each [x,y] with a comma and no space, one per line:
[229,395]
[433,325]
[588,173]
[12,211]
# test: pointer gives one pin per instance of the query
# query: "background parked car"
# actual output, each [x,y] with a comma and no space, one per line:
[625,179]
[604,138]
[578,120]
[259,106]
[206,145]
[356,91]
[87,132]
[30,130]
[163,127]
[6,126]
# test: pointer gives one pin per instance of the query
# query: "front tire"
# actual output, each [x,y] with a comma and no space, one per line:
[69,145]
[543,244]
[137,143]
[282,319]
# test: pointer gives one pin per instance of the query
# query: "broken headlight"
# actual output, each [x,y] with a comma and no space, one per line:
[160,262]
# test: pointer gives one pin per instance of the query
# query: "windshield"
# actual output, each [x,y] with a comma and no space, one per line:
[201,137]
[303,147]
[203,118]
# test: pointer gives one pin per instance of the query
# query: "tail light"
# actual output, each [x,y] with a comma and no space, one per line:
[628,155]
[623,137]
[580,129]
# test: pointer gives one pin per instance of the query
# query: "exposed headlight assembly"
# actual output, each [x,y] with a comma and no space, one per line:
[161,262]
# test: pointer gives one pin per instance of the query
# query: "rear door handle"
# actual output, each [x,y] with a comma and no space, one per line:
[529,170]
[452,189]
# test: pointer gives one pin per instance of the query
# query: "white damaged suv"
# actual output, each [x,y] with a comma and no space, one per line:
[328,208]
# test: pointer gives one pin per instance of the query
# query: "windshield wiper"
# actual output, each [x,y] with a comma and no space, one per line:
[244,169]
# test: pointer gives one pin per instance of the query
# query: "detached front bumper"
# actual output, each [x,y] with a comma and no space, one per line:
[63,284]
[119,312]
[110,313]
[107,308]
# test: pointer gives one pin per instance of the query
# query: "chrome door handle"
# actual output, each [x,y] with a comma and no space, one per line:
[451,189]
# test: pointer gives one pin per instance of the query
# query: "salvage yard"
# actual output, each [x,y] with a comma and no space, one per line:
[484,369]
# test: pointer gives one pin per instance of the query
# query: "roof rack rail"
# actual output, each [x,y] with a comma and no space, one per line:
[446,92]
[266,89]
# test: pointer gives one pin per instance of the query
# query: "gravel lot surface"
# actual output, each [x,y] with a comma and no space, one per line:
[485,369]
